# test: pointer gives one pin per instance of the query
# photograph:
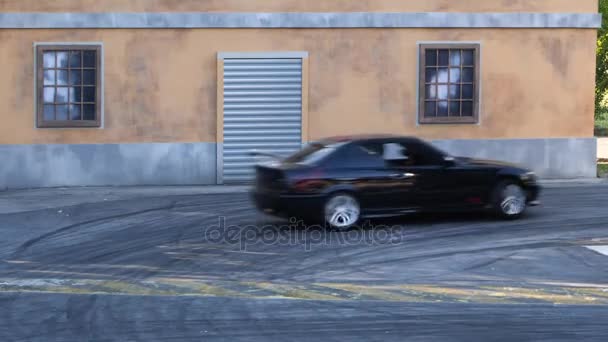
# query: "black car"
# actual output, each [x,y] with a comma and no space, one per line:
[344,179]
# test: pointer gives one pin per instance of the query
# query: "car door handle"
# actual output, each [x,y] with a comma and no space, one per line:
[403,175]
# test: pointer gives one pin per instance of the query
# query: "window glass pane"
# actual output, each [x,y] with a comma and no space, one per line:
[431,91]
[48,113]
[62,95]
[429,108]
[443,75]
[88,77]
[75,112]
[49,77]
[75,94]
[467,91]
[467,57]
[61,112]
[48,59]
[75,77]
[467,75]
[49,95]
[454,108]
[454,75]
[62,59]
[62,77]
[444,57]
[431,57]
[75,59]
[431,75]
[455,57]
[88,112]
[442,92]
[88,94]
[89,59]
[454,91]
[467,108]
[442,108]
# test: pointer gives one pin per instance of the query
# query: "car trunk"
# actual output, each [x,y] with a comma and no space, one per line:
[270,178]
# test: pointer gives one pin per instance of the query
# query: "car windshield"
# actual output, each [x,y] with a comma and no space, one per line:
[312,153]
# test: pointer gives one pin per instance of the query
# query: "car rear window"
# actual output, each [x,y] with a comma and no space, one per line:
[313,153]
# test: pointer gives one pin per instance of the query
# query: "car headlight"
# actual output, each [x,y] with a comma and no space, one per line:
[528,177]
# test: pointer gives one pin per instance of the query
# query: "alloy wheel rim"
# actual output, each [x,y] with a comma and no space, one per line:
[513,200]
[342,211]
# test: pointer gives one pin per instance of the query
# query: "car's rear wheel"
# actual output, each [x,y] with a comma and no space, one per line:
[509,199]
[342,211]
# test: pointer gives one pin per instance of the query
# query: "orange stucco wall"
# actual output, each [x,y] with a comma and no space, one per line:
[160,85]
[300,5]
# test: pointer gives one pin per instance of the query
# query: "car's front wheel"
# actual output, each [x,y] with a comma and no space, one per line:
[509,199]
[341,211]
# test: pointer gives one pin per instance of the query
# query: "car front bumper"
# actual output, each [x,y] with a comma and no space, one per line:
[532,194]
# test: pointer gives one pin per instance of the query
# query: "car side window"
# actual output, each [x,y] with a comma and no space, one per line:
[361,155]
[396,154]
[414,153]
[421,155]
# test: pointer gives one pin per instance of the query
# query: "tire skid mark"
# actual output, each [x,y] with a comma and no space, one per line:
[26,245]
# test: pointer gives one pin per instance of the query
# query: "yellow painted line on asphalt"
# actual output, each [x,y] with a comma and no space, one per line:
[294,291]
[378,293]
[570,297]
[571,284]
[313,291]
[456,293]
[598,293]
[130,288]
[199,288]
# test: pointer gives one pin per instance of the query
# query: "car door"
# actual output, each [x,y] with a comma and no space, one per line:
[423,171]
[467,185]
[404,176]
[446,184]
[361,166]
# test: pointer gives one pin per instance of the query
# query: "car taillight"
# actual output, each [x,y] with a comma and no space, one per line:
[309,182]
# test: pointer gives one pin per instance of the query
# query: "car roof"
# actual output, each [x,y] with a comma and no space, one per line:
[364,137]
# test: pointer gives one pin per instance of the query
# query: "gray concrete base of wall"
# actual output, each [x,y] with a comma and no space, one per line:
[549,158]
[31,166]
[27,166]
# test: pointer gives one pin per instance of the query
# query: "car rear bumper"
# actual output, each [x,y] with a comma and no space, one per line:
[287,205]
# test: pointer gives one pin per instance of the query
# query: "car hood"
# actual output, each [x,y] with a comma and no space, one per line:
[486,162]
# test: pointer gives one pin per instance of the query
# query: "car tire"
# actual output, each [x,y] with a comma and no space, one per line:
[341,211]
[509,199]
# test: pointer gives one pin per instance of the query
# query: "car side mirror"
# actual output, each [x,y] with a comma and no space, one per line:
[448,161]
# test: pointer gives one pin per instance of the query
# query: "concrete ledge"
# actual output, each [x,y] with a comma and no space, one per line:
[32,166]
[53,165]
[573,183]
[300,20]
[550,158]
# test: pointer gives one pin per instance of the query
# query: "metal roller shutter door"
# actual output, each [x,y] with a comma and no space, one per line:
[262,111]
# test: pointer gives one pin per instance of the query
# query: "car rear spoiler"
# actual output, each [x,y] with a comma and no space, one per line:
[258,154]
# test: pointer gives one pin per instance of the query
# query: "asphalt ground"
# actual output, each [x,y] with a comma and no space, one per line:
[190,265]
